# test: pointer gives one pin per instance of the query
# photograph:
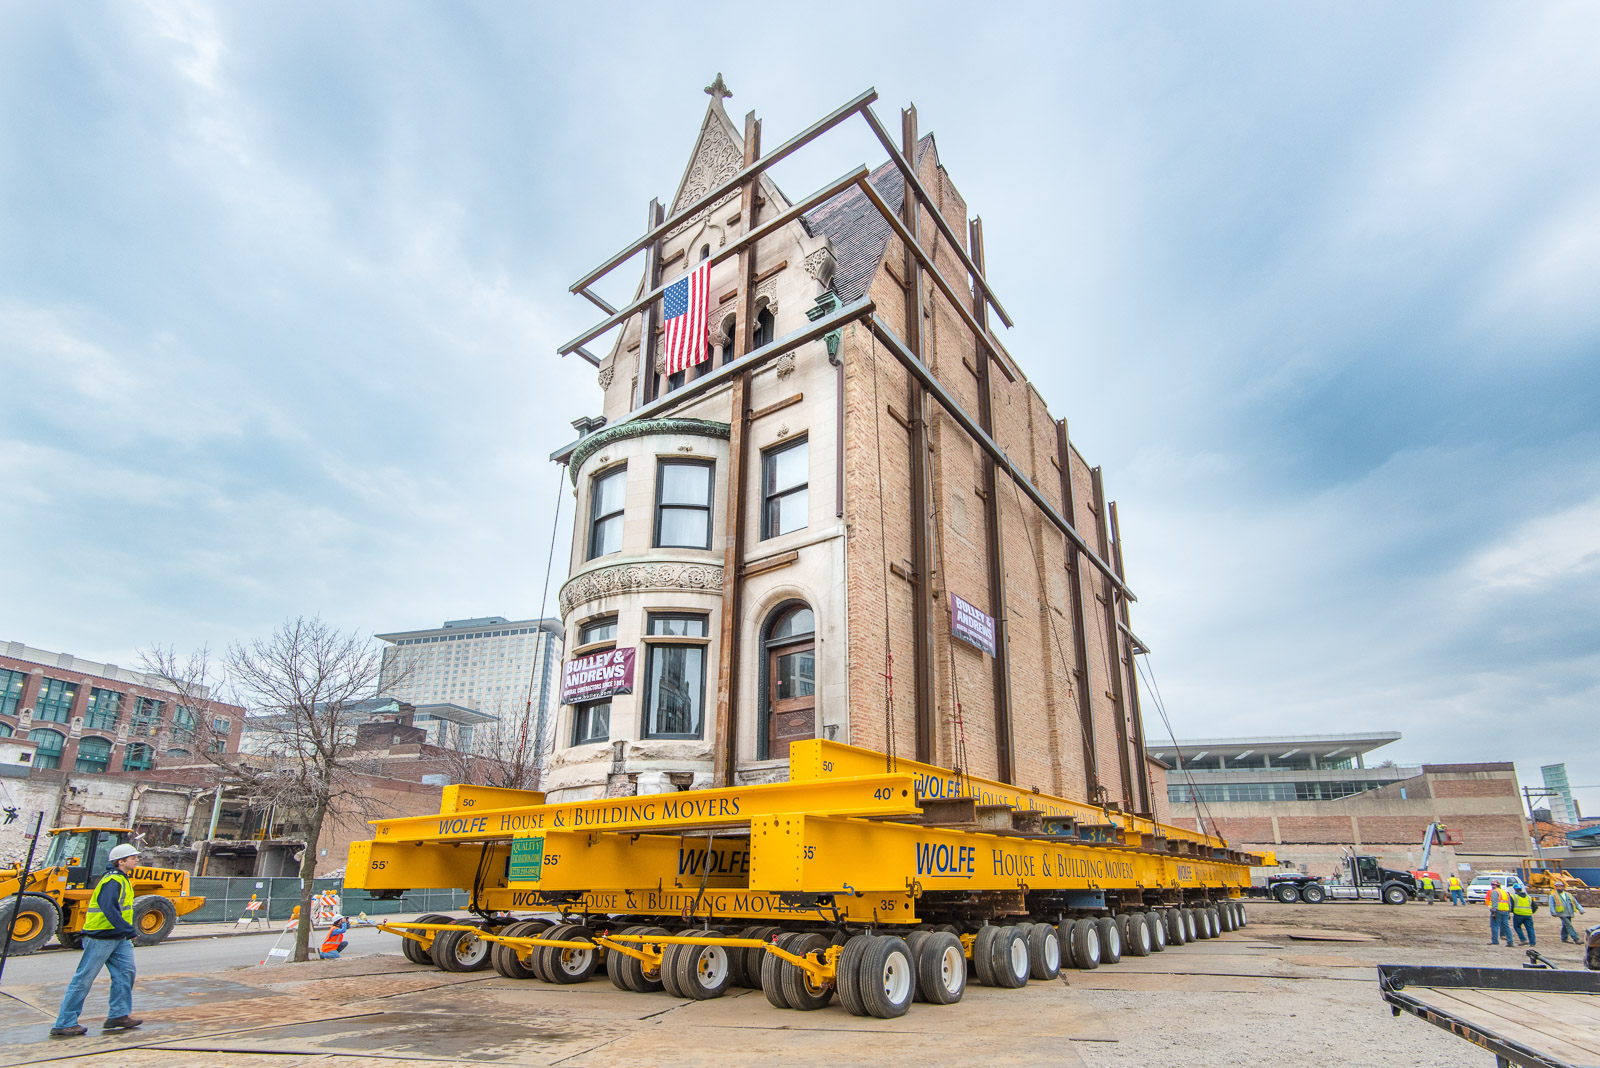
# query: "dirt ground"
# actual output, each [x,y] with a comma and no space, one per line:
[1299,982]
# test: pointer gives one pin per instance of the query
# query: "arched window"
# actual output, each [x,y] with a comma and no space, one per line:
[178,754]
[138,757]
[705,253]
[94,754]
[764,327]
[728,326]
[50,745]
[5,730]
[789,688]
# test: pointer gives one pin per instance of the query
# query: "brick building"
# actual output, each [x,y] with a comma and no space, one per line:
[855,519]
[1308,797]
[83,716]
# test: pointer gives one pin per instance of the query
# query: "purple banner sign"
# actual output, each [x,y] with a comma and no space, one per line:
[971,626]
[589,678]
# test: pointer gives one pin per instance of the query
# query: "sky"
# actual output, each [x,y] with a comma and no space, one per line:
[281,286]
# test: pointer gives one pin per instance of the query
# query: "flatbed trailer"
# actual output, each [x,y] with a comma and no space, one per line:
[1540,1017]
[860,863]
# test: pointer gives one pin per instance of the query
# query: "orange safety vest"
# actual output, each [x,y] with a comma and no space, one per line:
[331,943]
[1455,884]
[1499,900]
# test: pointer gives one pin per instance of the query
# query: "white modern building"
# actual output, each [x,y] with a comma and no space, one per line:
[491,664]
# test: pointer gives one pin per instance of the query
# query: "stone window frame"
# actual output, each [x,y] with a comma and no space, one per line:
[769,457]
[710,469]
[595,480]
[652,642]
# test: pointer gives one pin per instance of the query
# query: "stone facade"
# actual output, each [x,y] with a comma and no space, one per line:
[851,561]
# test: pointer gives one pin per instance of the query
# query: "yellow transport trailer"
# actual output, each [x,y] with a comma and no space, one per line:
[876,879]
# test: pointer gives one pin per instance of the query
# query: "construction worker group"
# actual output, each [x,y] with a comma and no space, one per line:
[1511,910]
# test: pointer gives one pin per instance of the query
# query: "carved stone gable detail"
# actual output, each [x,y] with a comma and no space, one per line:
[636,578]
[769,290]
[607,373]
[785,365]
[716,159]
[820,265]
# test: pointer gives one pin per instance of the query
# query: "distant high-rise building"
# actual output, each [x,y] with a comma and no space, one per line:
[1562,807]
[490,664]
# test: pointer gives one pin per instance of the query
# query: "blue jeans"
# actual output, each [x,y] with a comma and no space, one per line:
[1499,923]
[1521,924]
[116,956]
[1569,931]
[1458,897]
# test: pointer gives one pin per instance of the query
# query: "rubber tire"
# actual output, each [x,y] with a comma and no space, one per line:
[1158,931]
[1135,934]
[617,963]
[74,939]
[849,964]
[772,974]
[914,940]
[1044,951]
[640,982]
[39,912]
[1224,911]
[413,950]
[1086,948]
[697,971]
[564,967]
[1216,921]
[1244,917]
[146,906]
[737,976]
[504,960]
[754,957]
[797,988]
[1312,894]
[1395,895]
[1287,893]
[887,978]
[983,954]
[445,953]
[942,967]
[1202,924]
[1190,926]
[1110,940]
[1177,930]
[1010,961]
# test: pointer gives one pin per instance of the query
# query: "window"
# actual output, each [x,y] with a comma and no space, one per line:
[591,722]
[605,512]
[764,327]
[178,754]
[5,732]
[138,757]
[50,745]
[104,708]
[675,676]
[705,253]
[728,326]
[146,715]
[94,754]
[54,702]
[598,630]
[11,683]
[788,676]
[183,720]
[220,725]
[784,497]
[683,504]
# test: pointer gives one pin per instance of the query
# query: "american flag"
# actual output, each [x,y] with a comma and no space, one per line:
[683,307]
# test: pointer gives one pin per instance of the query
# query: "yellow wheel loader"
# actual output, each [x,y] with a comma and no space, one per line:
[55,898]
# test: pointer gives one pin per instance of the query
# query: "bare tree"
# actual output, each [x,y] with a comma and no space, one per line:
[503,753]
[303,687]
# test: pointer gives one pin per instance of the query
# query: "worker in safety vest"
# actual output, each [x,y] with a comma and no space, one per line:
[108,935]
[1425,885]
[1522,908]
[1499,902]
[334,944]
[1457,895]
[1563,906]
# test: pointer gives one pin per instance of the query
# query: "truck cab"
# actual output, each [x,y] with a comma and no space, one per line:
[83,852]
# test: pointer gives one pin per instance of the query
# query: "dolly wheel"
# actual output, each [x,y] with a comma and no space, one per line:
[942,967]
[800,989]
[887,978]
[847,982]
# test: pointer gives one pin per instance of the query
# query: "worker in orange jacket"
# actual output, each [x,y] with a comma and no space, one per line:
[1499,902]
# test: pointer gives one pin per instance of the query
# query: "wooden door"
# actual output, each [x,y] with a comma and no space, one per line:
[791,680]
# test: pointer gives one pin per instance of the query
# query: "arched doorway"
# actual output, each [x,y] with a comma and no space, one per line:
[790,661]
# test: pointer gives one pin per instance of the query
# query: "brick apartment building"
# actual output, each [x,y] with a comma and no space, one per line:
[77,715]
[803,536]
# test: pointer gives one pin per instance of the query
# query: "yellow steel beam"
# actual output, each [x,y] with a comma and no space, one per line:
[864,795]
[461,797]
[423,865]
[822,854]
[817,759]
[692,906]
[585,860]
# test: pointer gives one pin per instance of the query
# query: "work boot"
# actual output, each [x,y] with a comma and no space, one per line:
[68,1032]
[119,1022]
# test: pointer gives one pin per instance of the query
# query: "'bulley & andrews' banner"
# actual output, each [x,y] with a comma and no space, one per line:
[589,678]
[971,626]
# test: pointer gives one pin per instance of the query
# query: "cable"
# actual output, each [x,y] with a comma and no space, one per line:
[539,664]
[1148,673]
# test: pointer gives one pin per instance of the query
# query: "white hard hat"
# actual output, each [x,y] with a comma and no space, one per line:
[124,850]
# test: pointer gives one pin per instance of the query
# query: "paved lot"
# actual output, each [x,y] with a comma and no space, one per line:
[1267,993]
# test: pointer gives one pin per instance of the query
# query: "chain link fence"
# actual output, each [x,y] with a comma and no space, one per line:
[228,898]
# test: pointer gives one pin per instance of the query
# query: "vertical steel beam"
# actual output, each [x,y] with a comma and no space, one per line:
[725,751]
[645,390]
[1001,669]
[917,411]
[1080,621]
[1142,775]
[1113,647]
